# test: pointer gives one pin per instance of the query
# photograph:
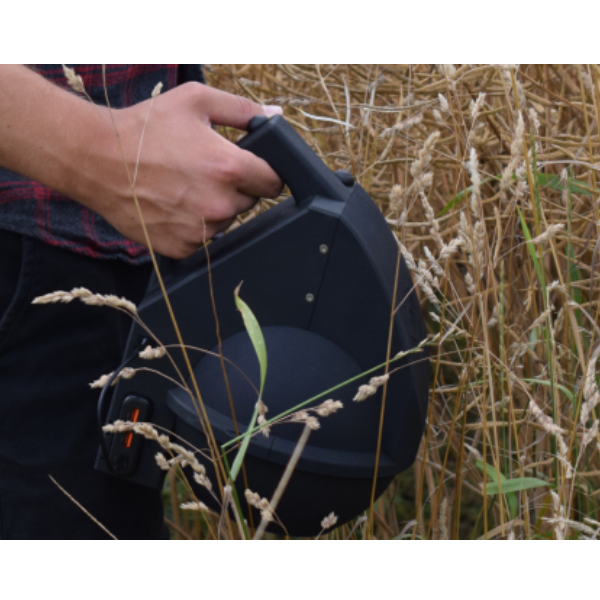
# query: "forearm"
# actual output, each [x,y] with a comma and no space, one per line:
[45,131]
[190,183]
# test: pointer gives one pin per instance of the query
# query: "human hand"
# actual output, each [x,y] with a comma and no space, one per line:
[190,182]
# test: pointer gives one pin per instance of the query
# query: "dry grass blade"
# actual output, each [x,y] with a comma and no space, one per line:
[451,154]
[486,174]
[83,509]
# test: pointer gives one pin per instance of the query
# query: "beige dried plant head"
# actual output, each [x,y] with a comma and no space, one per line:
[75,81]
[157,89]
[329,521]
[370,389]
[87,297]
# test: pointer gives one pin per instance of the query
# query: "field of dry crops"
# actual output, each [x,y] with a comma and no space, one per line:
[487,176]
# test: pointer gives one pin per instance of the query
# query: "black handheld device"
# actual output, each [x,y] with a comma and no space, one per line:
[318,271]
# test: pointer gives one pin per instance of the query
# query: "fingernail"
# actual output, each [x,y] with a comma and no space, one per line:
[271,111]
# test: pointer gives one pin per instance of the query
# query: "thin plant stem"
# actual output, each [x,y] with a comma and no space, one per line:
[285,478]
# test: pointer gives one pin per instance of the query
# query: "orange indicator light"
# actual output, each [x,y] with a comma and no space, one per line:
[135,414]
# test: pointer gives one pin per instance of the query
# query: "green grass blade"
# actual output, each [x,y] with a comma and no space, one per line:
[495,475]
[293,409]
[531,248]
[460,197]
[575,276]
[553,182]
[256,336]
[547,383]
[516,485]
[543,179]
[258,341]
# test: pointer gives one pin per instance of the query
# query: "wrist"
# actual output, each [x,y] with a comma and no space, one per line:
[92,170]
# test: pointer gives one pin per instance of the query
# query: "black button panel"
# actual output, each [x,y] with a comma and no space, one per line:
[125,452]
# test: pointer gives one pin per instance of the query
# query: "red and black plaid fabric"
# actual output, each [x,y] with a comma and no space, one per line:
[29,208]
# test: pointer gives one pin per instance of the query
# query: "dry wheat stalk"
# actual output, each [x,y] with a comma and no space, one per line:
[451,154]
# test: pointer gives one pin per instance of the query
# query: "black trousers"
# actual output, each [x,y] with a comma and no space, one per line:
[48,356]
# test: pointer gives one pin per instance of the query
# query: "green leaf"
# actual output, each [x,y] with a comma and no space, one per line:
[490,471]
[460,197]
[543,179]
[256,336]
[494,474]
[547,383]
[553,182]
[575,275]
[454,202]
[533,338]
[258,341]
[531,249]
[515,485]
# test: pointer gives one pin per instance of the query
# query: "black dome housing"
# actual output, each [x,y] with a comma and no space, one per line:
[318,271]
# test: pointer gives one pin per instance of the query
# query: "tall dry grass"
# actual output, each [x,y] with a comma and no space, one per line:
[487,176]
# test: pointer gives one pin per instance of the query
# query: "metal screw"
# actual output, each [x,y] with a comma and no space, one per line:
[310,297]
[323,249]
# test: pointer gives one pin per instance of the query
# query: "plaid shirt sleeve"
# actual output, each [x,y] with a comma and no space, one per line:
[29,208]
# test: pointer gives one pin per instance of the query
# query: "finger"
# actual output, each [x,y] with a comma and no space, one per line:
[227,109]
[227,207]
[256,177]
[222,226]
[213,233]
[242,203]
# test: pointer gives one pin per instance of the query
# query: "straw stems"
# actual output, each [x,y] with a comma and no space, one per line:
[287,474]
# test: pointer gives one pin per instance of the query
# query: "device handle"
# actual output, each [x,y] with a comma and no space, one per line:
[277,142]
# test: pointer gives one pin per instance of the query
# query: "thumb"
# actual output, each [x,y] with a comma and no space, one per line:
[229,110]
